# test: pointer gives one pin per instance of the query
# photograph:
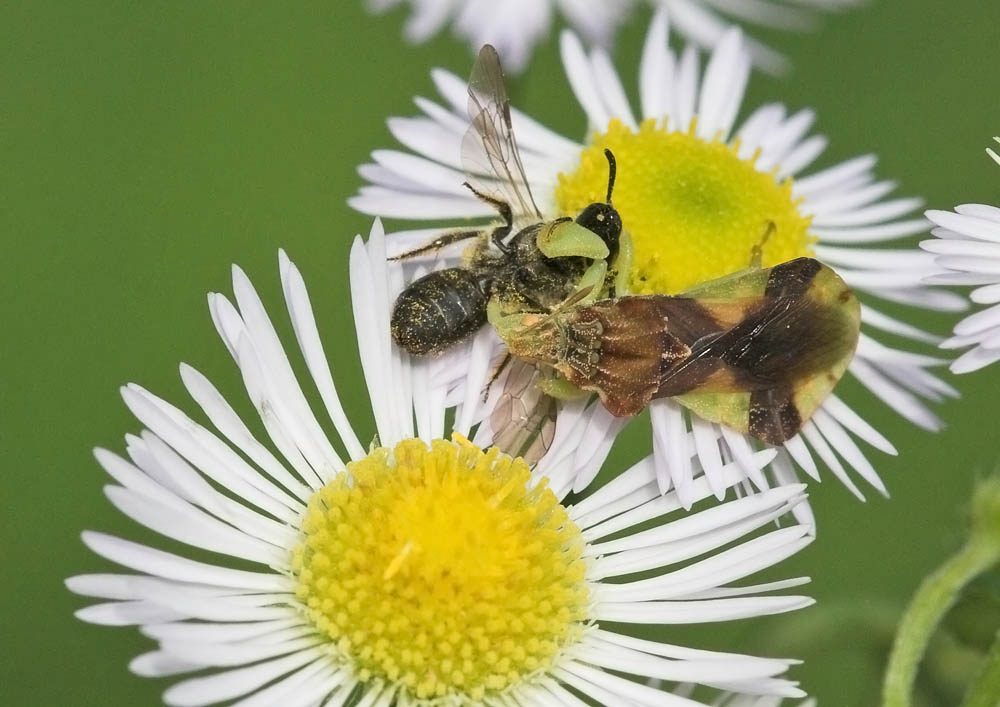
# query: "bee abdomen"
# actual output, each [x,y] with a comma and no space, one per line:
[437,311]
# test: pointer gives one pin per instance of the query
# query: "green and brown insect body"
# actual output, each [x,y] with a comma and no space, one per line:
[757,351]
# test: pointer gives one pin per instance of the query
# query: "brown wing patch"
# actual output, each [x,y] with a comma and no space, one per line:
[619,348]
[773,416]
[793,278]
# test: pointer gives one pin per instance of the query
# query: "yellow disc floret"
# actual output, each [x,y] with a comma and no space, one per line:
[442,571]
[694,208]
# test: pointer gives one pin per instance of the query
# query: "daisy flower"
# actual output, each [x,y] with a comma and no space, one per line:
[516,26]
[513,26]
[419,570]
[968,246]
[705,22]
[695,190]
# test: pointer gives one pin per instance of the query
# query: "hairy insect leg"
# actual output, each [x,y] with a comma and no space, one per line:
[507,358]
[757,252]
[503,208]
[438,243]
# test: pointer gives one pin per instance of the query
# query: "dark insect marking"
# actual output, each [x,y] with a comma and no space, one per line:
[782,342]
[793,278]
[773,416]
[687,319]
[845,296]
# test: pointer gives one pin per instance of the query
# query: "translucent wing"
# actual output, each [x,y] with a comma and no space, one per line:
[489,150]
[524,419]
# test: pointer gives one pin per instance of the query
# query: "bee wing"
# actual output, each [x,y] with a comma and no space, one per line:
[524,419]
[490,155]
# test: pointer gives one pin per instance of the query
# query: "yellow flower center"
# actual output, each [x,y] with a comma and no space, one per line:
[442,571]
[695,209]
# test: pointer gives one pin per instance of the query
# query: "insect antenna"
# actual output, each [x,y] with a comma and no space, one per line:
[612,172]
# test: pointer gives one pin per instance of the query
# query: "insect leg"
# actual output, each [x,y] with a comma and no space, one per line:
[623,265]
[561,389]
[592,281]
[507,358]
[437,244]
[503,208]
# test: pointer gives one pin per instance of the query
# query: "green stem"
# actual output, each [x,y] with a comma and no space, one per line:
[939,592]
[985,689]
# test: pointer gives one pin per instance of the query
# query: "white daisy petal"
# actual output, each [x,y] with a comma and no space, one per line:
[779,142]
[722,89]
[985,211]
[229,424]
[967,244]
[656,72]
[671,449]
[157,664]
[222,633]
[580,74]
[856,424]
[309,684]
[273,414]
[655,508]
[610,88]
[696,612]
[833,179]
[907,405]
[127,613]
[975,359]
[304,325]
[990,294]
[162,564]
[760,124]
[235,683]
[803,155]
[226,655]
[818,442]
[975,227]
[685,90]
[205,452]
[835,434]
[185,524]
[660,668]
[894,326]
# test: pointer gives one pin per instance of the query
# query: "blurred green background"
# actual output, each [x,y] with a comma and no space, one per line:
[146,146]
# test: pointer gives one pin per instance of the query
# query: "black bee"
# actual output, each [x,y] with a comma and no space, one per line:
[536,268]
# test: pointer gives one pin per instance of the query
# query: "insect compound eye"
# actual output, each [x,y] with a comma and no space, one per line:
[603,220]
